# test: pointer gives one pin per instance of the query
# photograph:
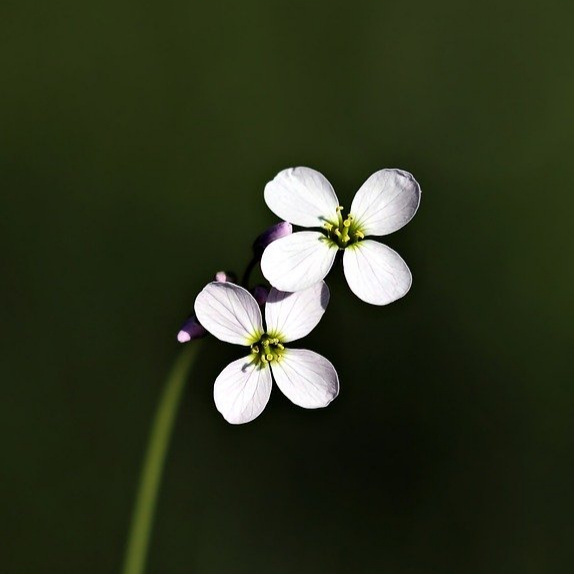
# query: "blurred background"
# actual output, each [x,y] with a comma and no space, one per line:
[135,142]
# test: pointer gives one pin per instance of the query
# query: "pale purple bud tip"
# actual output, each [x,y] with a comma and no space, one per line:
[191,329]
[260,293]
[270,235]
[183,336]
[225,277]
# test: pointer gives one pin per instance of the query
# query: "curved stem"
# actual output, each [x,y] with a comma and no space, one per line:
[152,469]
[248,270]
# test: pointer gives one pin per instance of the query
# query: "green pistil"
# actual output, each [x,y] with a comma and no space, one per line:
[345,232]
[267,349]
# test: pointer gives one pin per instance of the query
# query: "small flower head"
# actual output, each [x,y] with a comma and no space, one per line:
[242,390]
[385,202]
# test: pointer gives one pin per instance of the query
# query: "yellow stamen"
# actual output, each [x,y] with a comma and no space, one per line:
[340,215]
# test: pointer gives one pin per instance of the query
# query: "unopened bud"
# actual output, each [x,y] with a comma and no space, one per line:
[225,277]
[274,232]
[260,293]
[190,330]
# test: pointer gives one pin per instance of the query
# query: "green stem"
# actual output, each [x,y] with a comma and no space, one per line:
[248,270]
[151,473]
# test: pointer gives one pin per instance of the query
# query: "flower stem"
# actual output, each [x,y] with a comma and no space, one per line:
[152,469]
[248,270]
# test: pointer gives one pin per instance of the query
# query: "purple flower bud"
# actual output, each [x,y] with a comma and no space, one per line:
[260,293]
[225,277]
[190,330]
[273,233]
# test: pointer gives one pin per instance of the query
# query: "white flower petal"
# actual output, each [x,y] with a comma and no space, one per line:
[306,378]
[375,273]
[242,390]
[302,196]
[298,261]
[386,202]
[230,313]
[291,316]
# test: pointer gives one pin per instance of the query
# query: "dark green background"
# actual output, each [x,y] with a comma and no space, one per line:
[135,142]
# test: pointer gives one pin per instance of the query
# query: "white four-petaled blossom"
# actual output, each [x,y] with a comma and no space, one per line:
[385,202]
[242,389]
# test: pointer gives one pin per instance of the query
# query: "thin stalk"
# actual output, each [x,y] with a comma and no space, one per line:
[248,270]
[152,469]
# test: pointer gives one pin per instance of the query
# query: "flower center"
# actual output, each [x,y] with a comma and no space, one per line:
[344,232]
[267,349]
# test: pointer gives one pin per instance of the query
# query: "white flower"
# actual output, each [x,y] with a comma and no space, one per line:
[242,389]
[385,202]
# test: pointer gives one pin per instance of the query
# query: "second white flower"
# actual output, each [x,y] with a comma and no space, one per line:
[242,390]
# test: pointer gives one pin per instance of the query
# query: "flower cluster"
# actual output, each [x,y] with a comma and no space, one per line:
[296,264]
